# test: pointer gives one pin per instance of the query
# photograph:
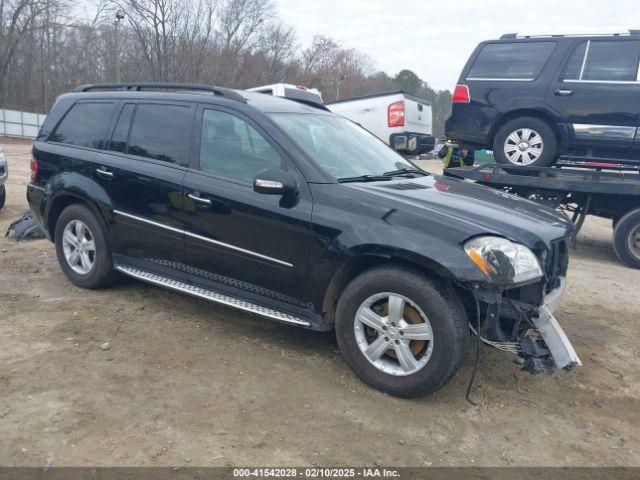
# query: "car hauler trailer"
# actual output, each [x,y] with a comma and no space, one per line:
[586,188]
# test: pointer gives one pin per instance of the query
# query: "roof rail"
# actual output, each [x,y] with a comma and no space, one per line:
[630,32]
[139,86]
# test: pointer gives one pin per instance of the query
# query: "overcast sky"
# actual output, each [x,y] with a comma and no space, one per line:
[435,37]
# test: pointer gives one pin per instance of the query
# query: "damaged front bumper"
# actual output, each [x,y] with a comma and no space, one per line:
[543,346]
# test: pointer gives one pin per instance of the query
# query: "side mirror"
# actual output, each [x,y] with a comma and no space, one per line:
[275,182]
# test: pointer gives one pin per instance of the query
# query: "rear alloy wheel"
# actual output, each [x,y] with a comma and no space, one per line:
[400,331]
[525,142]
[82,249]
[79,247]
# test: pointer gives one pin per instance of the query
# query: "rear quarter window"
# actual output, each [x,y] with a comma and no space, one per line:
[85,125]
[511,61]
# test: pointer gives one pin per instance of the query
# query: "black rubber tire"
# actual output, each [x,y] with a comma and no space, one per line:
[102,274]
[3,196]
[441,305]
[624,227]
[550,142]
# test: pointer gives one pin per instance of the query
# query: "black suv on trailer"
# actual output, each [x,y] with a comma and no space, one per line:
[532,99]
[299,215]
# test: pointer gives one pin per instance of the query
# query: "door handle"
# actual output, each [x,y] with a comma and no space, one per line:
[198,199]
[103,172]
[563,92]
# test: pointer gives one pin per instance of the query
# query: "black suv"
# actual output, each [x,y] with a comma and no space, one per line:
[532,99]
[298,215]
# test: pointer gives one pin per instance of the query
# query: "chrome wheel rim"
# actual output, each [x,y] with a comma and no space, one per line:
[79,247]
[393,334]
[523,147]
[634,241]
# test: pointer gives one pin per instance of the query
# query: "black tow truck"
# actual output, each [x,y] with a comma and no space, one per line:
[579,188]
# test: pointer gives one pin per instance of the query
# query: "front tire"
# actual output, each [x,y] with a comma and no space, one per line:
[525,142]
[626,238]
[82,248]
[3,196]
[400,331]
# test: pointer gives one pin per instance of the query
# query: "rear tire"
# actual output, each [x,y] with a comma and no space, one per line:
[82,249]
[626,238]
[525,142]
[425,301]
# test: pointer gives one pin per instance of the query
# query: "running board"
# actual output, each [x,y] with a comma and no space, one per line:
[210,295]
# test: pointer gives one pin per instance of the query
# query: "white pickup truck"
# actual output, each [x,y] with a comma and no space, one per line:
[401,120]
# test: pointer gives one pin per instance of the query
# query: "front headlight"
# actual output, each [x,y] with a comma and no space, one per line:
[502,260]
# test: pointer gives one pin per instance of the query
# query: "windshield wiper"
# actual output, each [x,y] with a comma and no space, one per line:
[404,171]
[364,178]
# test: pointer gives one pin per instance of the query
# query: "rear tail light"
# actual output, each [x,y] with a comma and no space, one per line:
[34,168]
[461,94]
[395,114]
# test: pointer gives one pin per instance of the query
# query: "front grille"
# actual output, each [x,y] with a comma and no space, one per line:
[2,170]
[557,263]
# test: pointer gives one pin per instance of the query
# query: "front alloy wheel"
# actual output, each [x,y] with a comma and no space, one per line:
[400,330]
[523,147]
[393,333]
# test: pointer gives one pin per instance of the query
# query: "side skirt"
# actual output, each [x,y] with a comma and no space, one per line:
[211,295]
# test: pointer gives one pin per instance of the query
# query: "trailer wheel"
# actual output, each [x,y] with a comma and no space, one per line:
[626,238]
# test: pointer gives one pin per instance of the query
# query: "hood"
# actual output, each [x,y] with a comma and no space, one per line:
[474,209]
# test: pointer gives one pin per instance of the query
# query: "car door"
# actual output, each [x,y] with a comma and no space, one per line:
[597,93]
[235,237]
[140,180]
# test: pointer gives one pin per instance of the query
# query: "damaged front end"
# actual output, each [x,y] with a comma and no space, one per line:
[518,317]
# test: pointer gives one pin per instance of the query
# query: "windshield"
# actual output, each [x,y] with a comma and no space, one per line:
[340,147]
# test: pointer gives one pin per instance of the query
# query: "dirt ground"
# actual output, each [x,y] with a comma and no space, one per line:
[186,382]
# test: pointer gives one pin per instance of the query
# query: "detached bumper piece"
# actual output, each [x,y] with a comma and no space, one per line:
[562,352]
[548,349]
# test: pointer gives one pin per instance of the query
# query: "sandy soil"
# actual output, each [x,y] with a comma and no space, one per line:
[191,383]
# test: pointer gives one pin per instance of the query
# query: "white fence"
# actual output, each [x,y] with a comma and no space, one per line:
[20,124]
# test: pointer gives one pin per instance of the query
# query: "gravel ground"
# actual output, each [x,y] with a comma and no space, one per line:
[185,382]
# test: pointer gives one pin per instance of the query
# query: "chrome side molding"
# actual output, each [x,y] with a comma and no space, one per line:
[210,295]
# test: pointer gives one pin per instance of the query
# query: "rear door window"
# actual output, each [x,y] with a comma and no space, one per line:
[604,61]
[85,125]
[161,132]
[511,61]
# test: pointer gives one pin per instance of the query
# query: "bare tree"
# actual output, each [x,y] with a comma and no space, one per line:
[48,47]
[16,20]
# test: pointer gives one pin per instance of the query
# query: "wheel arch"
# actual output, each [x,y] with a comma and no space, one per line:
[364,259]
[63,200]
[543,115]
